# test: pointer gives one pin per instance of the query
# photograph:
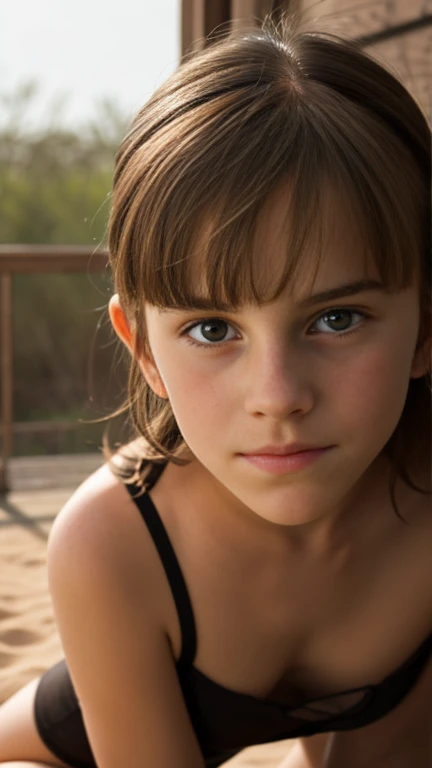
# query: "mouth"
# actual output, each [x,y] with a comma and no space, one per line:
[277,463]
[285,450]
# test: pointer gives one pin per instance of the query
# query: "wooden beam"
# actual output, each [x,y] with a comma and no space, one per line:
[192,26]
[6,377]
[35,259]
[199,18]
[396,30]
[26,427]
[246,13]
[30,259]
[216,13]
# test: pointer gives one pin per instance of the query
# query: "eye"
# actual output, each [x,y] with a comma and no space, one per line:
[212,330]
[342,320]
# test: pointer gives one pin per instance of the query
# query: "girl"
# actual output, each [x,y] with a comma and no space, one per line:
[255,565]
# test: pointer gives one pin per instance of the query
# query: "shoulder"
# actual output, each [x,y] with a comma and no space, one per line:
[98,506]
[105,583]
[99,534]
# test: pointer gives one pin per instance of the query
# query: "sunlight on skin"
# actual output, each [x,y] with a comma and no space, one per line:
[309,753]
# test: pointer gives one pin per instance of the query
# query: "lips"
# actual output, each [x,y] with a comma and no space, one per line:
[284,450]
[285,463]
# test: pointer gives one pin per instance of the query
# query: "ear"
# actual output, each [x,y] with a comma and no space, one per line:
[120,323]
[422,361]
[125,333]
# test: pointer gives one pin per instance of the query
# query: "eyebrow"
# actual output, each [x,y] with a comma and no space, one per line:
[340,291]
[349,289]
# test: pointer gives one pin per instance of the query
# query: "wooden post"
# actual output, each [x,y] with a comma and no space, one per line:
[192,25]
[253,12]
[201,17]
[6,377]
[246,13]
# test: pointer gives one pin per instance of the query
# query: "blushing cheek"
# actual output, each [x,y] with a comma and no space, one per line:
[199,402]
[373,391]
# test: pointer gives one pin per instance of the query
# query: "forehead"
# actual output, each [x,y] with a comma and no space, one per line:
[331,247]
[334,250]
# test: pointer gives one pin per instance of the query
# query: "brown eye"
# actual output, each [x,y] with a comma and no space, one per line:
[214,330]
[209,332]
[339,321]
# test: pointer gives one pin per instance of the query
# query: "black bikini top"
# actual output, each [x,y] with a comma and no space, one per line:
[225,721]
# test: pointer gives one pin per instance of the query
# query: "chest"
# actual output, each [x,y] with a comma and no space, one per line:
[301,634]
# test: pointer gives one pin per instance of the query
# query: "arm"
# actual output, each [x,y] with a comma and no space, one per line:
[353,749]
[117,651]
[307,752]
[414,751]
[400,739]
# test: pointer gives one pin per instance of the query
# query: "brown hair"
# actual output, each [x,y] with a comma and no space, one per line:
[236,120]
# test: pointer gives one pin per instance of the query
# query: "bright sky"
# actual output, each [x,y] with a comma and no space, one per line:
[88,49]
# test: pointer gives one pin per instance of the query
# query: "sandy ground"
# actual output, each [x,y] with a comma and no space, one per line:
[29,641]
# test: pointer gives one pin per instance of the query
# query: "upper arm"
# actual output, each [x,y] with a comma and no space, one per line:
[117,651]
[396,739]
[314,749]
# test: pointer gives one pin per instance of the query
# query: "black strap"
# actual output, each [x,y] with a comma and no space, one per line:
[173,571]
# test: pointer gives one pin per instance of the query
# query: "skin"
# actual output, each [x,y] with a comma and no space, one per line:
[274,380]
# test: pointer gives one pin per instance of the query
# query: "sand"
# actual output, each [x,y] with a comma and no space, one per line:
[29,641]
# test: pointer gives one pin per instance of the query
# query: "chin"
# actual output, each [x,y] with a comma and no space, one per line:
[288,506]
[293,517]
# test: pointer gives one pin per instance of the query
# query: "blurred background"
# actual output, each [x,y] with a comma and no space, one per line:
[72,76]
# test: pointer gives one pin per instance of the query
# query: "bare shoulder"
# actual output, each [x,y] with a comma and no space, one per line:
[105,580]
[101,488]
[101,524]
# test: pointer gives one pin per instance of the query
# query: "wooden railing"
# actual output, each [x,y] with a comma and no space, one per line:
[30,259]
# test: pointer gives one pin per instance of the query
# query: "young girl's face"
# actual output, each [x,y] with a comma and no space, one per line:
[321,372]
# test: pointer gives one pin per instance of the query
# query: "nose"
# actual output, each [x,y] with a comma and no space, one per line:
[278,383]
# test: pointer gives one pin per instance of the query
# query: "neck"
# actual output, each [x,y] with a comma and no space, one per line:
[366,511]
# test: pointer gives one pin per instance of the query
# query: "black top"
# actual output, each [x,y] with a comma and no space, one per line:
[225,721]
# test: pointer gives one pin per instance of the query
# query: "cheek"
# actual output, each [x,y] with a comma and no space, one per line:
[198,399]
[372,389]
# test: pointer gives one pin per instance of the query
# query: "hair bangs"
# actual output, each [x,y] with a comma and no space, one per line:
[212,252]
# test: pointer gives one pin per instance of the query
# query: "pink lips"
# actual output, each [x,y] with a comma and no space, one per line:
[283,450]
[275,463]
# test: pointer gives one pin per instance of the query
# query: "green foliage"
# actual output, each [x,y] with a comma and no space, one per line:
[55,183]
[54,189]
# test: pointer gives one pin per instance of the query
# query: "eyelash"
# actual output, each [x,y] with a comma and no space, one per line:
[341,334]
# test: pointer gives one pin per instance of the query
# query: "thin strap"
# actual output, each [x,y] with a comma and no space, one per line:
[173,571]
